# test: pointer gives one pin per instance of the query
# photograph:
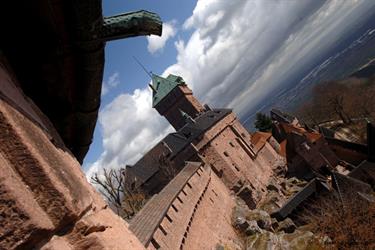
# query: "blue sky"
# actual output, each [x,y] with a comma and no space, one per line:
[231,53]
[119,54]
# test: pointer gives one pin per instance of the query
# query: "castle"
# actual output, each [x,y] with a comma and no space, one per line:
[212,156]
[214,137]
[49,100]
[215,159]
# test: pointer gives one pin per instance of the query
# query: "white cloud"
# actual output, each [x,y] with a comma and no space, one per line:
[130,127]
[157,43]
[112,82]
[239,52]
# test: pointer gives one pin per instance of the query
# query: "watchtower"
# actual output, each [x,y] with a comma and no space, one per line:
[170,96]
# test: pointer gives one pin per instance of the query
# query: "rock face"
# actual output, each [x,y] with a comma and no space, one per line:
[46,201]
[261,232]
[299,240]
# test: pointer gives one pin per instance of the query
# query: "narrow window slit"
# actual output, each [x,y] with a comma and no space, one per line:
[174,208]
[168,218]
[179,199]
[162,230]
[155,244]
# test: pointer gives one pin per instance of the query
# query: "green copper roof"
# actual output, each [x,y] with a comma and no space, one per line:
[163,86]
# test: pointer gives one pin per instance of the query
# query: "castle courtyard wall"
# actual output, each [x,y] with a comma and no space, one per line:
[192,212]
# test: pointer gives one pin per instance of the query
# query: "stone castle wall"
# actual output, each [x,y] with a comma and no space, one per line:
[180,98]
[173,230]
[46,201]
[227,148]
[183,211]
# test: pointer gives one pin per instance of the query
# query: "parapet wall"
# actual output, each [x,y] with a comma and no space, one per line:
[166,220]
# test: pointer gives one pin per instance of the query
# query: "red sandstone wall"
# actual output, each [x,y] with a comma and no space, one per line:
[239,161]
[212,221]
[267,156]
[180,98]
[46,201]
[173,229]
[227,148]
[180,229]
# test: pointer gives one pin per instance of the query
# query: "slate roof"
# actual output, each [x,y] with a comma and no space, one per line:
[147,166]
[177,141]
[163,86]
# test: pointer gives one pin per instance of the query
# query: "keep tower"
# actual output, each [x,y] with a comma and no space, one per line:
[171,96]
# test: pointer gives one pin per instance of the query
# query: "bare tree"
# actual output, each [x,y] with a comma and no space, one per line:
[337,102]
[124,198]
[350,224]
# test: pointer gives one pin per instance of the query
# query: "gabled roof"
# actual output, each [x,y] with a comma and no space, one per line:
[179,140]
[163,86]
[148,165]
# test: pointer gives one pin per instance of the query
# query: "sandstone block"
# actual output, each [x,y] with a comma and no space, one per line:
[45,199]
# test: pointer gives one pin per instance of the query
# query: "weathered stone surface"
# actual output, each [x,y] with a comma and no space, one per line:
[287,226]
[99,230]
[266,241]
[299,240]
[275,224]
[271,202]
[246,194]
[261,217]
[211,223]
[241,224]
[253,228]
[45,199]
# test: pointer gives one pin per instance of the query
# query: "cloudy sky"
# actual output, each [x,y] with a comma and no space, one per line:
[231,53]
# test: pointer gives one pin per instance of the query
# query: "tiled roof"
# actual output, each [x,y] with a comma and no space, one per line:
[311,136]
[258,139]
[193,130]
